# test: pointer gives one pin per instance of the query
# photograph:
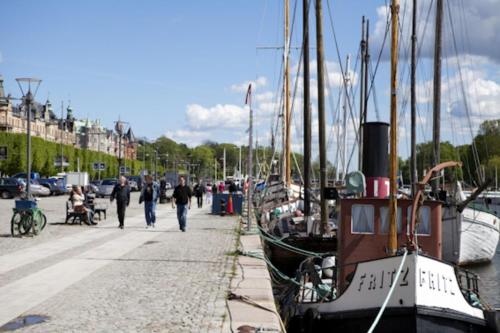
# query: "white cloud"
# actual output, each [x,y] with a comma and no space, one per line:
[220,116]
[256,84]
[189,137]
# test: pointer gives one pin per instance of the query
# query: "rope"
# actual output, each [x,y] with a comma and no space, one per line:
[289,247]
[381,311]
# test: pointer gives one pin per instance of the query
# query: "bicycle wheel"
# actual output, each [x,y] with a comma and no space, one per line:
[14,223]
[39,221]
[26,223]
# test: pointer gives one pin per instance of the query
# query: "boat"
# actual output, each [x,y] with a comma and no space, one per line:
[389,274]
[297,222]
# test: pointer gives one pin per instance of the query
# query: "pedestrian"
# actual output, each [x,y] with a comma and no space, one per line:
[214,189]
[149,194]
[221,187]
[208,197]
[182,198]
[198,192]
[121,192]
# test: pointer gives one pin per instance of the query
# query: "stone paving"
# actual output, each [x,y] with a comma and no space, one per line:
[171,282]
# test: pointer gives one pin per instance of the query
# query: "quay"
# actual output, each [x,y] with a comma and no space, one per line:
[103,279]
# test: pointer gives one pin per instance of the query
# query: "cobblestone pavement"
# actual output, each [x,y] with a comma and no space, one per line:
[136,280]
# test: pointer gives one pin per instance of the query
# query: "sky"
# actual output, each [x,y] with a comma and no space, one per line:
[181,68]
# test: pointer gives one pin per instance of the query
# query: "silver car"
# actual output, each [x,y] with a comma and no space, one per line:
[106,187]
[36,189]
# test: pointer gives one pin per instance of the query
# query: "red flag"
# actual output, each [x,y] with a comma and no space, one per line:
[249,94]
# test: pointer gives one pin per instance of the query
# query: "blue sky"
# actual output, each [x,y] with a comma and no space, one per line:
[178,67]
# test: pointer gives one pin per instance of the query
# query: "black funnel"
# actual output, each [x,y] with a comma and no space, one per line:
[376,149]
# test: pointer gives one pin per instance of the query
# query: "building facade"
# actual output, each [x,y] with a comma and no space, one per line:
[66,130]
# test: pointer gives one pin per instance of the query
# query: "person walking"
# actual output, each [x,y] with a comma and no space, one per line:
[208,197]
[198,192]
[182,198]
[149,194]
[121,192]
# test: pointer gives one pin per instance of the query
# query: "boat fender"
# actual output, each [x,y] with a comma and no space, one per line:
[327,265]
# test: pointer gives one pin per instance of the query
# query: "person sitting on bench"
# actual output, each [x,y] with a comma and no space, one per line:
[78,200]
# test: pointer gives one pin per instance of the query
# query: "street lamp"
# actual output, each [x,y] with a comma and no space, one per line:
[29,98]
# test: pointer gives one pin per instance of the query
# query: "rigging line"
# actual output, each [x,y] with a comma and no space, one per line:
[340,62]
[375,100]
[466,105]
[474,86]
[387,28]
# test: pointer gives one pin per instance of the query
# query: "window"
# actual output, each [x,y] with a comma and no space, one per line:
[362,221]
[424,220]
[384,220]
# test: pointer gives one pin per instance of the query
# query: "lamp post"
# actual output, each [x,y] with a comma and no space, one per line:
[28,97]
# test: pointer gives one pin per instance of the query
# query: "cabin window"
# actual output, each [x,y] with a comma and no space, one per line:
[424,221]
[362,221]
[384,220]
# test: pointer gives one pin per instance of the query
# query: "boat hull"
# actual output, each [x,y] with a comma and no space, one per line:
[408,320]
[470,237]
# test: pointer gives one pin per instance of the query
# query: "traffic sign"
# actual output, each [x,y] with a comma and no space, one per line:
[124,170]
[98,166]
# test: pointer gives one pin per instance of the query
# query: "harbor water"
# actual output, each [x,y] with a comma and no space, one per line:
[489,283]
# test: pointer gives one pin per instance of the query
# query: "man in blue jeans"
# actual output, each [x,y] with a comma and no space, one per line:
[149,194]
[182,198]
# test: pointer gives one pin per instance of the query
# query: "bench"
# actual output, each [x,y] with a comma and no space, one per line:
[75,216]
[98,207]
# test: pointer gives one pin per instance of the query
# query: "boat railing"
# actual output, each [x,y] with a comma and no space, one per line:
[469,285]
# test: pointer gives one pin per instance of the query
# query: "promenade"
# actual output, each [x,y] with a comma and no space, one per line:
[103,279]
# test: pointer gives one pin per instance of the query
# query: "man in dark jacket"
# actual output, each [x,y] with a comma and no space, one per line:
[182,198]
[198,192]
[149,194]
[121,192]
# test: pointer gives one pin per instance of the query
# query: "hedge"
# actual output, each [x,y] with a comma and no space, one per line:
[44,154]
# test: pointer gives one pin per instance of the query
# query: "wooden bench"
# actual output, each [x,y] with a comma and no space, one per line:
[75,216]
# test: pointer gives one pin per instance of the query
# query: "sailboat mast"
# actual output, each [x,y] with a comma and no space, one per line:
[366,71]
[307,112]
[413,161]
[436,131]
[347,80]
[393,204]
[361,96]
[321,114]
[288,115]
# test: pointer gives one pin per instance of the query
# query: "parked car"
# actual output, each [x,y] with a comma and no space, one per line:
[137,180]
[10,188]
[106,187]
[55,185]
[36,189]
[94,185]
[133,185]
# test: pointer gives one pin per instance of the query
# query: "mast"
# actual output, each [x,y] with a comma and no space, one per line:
[436,131]
[287,113]
[413,160]
[366,71]
[393,204]
[321,114]
[347,79]
[307,112]
[361,96]
[248,101]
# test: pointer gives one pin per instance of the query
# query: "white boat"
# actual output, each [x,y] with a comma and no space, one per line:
[427,298]
[470,236]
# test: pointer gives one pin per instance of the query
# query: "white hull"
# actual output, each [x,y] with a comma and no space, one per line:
[426,287]
[471,237]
